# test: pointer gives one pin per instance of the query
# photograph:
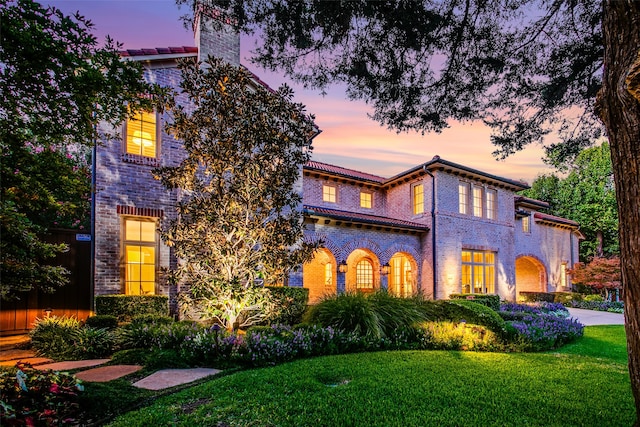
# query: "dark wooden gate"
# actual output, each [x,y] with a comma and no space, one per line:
[74,299]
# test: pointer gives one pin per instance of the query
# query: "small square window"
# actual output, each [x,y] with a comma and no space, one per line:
[329,193]
[366,200]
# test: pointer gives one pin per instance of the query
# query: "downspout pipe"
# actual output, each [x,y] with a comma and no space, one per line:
[433,229]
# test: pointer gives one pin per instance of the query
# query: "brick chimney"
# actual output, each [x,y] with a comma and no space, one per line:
[214,34]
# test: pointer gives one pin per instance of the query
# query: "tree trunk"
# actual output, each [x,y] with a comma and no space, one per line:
[600,243]
[620,112]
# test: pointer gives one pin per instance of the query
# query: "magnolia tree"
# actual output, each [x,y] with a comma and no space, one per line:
[601,274]
[239,222]
[57,84]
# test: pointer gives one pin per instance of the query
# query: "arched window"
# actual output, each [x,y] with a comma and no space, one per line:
[364,275]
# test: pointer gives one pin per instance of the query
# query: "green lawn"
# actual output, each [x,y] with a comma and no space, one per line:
[585,383]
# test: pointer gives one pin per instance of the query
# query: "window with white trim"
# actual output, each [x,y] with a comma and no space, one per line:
[492,204]
[463,198]
[478,272]
[366,200]
[364,275]
[417,192]
[329,193]
[477,201]
[526,224]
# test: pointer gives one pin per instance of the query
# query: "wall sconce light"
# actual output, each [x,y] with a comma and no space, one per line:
[385,269]
[343,267]
[48,311]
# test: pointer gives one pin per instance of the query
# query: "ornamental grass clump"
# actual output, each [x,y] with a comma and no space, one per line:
[52,336]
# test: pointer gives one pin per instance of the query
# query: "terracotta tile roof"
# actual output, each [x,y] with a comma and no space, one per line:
[555,219]
[349,173]
[159,51]
[363,218]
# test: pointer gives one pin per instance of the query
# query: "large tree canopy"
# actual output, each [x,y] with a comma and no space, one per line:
[526,67]
[56,84]
[586,195]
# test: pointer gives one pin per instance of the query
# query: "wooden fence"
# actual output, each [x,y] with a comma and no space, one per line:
[74,299]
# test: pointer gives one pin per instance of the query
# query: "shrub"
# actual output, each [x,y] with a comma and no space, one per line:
[541,326]
[474,313]
[491,301]
[155,332]
[544,332]
[536,296]
[457,336]
[104,321]
[209,346]
[349,312]
[593,298]
[125,307]
[290,304]
[566,297]
[613,307]
[32,397]
[52,336]
[91,343]
[152,319]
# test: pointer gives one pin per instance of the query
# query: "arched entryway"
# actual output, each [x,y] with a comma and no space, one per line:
[402,273]
[363,271]
[319,275]
[531,275]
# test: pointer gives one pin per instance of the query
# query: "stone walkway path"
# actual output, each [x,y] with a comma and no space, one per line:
[159,380]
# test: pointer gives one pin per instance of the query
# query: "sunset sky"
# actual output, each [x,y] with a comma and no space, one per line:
[349,138]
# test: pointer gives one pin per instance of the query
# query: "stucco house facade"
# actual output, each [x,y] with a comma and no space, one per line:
[438,228]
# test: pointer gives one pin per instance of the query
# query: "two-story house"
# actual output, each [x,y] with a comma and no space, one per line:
[438,228]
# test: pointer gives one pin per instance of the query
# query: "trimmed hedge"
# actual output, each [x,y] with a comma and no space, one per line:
[125,307]
[491,301]
[292,303]
[475,313]
[567,297]
[104,321]
[536,296]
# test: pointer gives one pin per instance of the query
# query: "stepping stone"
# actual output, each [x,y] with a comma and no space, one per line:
[172,377]
[72,364]
[104,374]
[16,354]
[32,360]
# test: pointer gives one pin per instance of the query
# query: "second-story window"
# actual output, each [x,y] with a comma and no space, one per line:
[142,135]
[328,193]
[463,198]
[492,206]
[418,199]
[366,199]
[477,201]
[526,224]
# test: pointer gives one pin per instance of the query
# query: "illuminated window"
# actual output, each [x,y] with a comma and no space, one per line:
[526,224]
[477,201]
[400,281]
[492,206]
[364,275]
[463,198]
[365,200]
[329,193]
[328,274]
[418,199]
[142,132]
[478,272]
[563,275]
[139,257]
